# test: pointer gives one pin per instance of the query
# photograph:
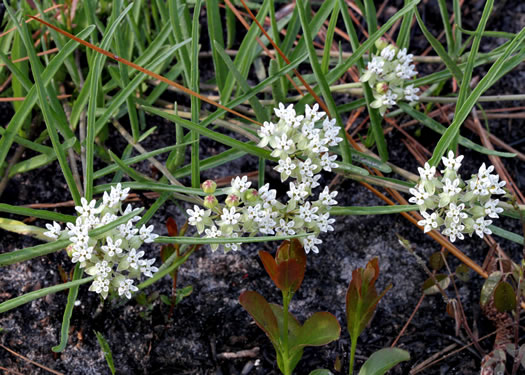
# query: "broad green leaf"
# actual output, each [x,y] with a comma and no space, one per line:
[383,360]
[262,313]
[504,297]
[320,329]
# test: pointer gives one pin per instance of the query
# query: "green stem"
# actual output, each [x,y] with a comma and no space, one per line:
[352,356]
[285,353]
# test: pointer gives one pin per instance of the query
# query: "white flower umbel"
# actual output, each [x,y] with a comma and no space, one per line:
[389,75]
[302,144]
[112,259]
[461,207]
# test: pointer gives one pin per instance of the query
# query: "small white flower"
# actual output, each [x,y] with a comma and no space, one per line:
[451,162]
[88,208]
[284,144]
[491,208]
[297,193]
[308,213]
[241,184]
[318,144]
[285,167]
[147,268]
[196,215]
[229,216]
[388,53]
[411,93]
[327,198]
[312,181]
[427,173]
[451,187]
[254,212]
[283,112]
[212,232]
[126,287]
[312,114]
[134,258]
[454,231]
[53,230]
[112,248]
[403,57]
[306,168]
[327,162]
[102,269]
[324,222]
[419,195]
[429,222]
[146,234]
[481,227]
[266,131]
[310,244]
[389,99]
[456,212]
[285,228]
[100,285]
[495,187]
[376,65]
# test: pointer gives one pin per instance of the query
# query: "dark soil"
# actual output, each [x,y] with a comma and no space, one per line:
[144,339]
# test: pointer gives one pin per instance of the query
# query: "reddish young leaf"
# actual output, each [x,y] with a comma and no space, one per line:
[291,250]
[290,275]
[173,230]
[269,265]
[262,313]
[362,298]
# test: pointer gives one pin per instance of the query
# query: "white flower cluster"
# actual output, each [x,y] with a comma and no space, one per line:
[113,257]
[302,149]
[388,75]
[462,207]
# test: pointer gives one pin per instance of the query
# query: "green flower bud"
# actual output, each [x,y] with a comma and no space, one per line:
[209,186]
[232,200]
[381,87]
[210,201]
[381,44]
[251,195]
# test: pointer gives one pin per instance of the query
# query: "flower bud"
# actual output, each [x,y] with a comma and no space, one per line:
[382,87]
[232,200]
[69,250]
[209,186]
[381,44]
[210,201]
[251,195]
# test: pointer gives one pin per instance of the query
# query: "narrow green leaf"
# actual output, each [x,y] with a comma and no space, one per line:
[503,233]
[28,297]
[106,350]
[438,128]
[41,214]
[198,240]
[372,210]
[465,109]
[68,311]
[440,50]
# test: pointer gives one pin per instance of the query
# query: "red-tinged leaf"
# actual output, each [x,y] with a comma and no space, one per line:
[291,250]
[504,297]
[362,298]
[262,313]
[290,275]
[320,329]
[173,230]
[269,265]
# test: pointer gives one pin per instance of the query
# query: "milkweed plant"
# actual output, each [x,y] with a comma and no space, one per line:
[303,142]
